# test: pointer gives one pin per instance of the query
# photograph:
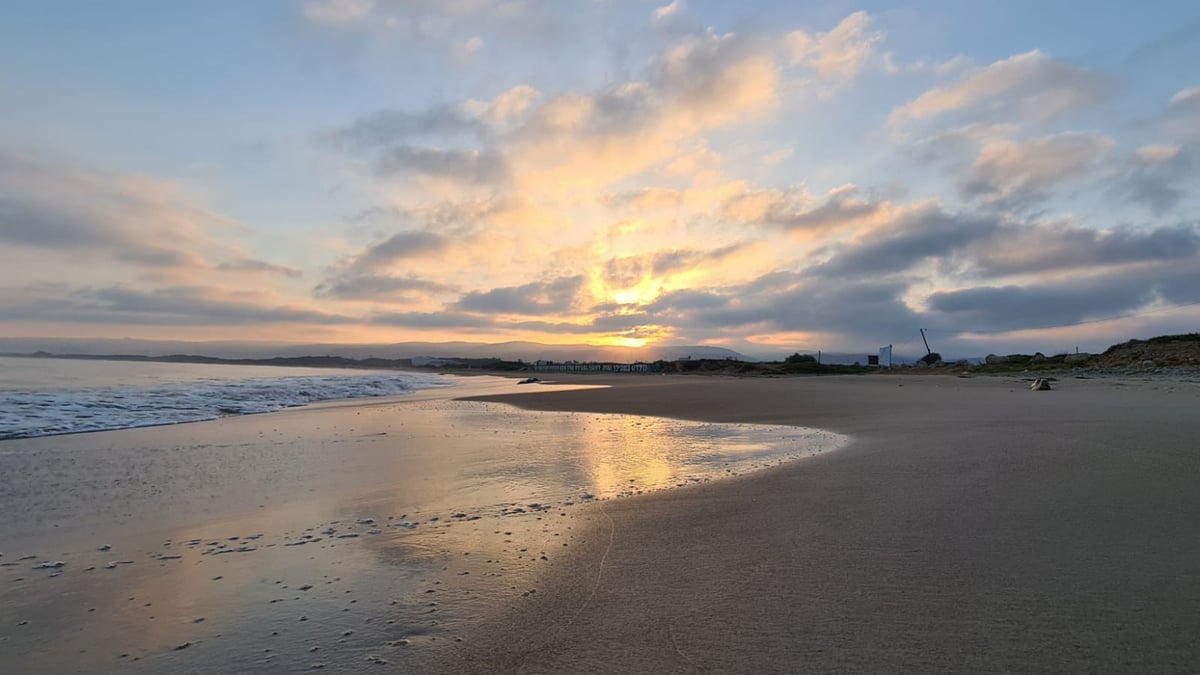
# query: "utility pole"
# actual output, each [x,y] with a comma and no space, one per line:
[927,349]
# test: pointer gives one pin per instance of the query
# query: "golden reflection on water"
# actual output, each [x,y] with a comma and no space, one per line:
[425,461]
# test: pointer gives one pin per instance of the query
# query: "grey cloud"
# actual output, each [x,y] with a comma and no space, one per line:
[50,226]
[364,276]
[155,256]
[785,209]
[172,306]
[1020,248]
[400,246]
[1070,300]
[1155,183]
[1000,308]
[841,206]
[854,309]
[122,217]
[398,142]
[378,287]
[470,165]
[40,225]
[863,309]
[252,265]
[386,127]
[914,237]
[991,245]
[666,262]
[543,297]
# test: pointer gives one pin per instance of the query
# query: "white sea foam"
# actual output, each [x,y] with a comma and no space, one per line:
[27,411]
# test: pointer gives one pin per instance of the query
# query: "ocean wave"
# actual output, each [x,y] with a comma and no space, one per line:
[30,413]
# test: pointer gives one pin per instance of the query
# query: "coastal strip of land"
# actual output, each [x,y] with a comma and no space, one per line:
[971,525]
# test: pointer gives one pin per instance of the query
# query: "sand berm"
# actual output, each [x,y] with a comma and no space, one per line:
[971,525]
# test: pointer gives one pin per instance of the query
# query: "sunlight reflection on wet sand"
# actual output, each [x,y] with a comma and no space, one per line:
[404,520]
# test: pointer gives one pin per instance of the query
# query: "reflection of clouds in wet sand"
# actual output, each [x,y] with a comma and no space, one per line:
[348,533]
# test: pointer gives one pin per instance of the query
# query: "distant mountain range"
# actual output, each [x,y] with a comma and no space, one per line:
[510,351]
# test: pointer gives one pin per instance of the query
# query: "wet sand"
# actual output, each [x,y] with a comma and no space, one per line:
[345,536]
[971,525]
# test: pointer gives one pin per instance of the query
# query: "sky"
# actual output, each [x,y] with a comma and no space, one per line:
[766,176]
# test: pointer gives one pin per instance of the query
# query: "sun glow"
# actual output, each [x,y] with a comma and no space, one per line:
[645,292]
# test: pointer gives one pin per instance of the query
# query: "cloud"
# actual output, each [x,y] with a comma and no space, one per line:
[400,246]
[467,48]
[1186,99]
[916,235]
[646,199]
[1019,173]
[1181,120]
[1056,247]
[468,166]
[839,54]
[1043,304]
[627,271]
[385,127]
[851,309]
[506,107]
[337,11]
[989,245]
[668,12]
[1031,87]
[94,214]
[167,306]
[380,287]
[796,210]
[1154,176]
[952,145]
[259,266]
[712,80]
[555,296]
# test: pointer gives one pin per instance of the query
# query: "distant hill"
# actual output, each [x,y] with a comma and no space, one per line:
[526,351]
[1157,352]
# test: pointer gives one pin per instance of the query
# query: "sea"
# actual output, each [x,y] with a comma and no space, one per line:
[47,396]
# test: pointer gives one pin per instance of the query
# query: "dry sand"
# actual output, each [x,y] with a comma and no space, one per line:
[971,525]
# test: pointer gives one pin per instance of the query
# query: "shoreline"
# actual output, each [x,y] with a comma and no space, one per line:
[344,513]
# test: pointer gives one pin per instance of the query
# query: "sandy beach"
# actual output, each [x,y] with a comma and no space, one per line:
[971,526]
[961,525]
